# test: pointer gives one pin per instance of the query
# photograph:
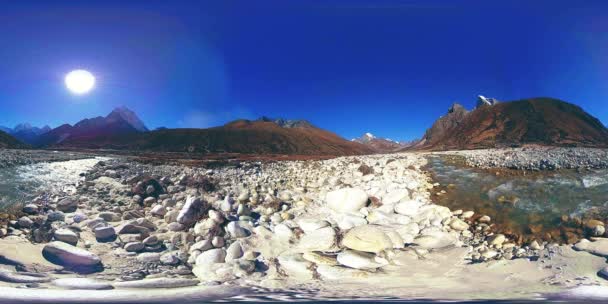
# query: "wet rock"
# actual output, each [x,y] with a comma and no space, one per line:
[30,209]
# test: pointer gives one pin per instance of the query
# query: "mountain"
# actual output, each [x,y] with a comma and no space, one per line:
[120,121]
[26,132]
[380,145]
[544,121]
[124,114]
[9,142]
[262,136]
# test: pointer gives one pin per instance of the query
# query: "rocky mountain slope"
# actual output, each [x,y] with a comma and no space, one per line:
[380,145]
[544,121]
[120,121]
[263,136]
[9,142]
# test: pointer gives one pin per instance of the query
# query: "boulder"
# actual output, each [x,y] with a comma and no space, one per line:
[395,196]
[67,204]
[70,256]
[234,251]
[66,235]
[309,225]
[105,232]
[346,199]
[409,208]
[599,246]
[367,238]
[210,257]
[235,230]
[193,209]
[323,239]
[360,260]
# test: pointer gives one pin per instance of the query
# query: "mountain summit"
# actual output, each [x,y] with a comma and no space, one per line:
[123,113]
[543,121]
[119,122]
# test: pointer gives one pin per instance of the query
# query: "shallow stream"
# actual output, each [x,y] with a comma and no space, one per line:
[20,184]
[547,205]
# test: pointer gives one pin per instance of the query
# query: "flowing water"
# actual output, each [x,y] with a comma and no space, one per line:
[20,184]
[549,205]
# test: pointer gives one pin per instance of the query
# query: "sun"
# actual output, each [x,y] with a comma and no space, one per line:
[79,81]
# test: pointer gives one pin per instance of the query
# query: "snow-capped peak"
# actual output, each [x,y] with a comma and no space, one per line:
[369,135]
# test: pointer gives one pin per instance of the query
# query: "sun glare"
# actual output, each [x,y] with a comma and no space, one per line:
[79,81]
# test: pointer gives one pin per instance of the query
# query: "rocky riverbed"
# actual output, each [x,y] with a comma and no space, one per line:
[535,158]
[360,226]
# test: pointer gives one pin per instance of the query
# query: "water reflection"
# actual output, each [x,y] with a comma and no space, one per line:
[22,183]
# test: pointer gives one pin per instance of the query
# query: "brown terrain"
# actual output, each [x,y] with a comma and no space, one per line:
[241,136]
[543,121]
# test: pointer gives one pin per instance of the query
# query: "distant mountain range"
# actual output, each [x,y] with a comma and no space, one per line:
[121,121]
[262,136]
[543,121]
[381,145]
[25,132]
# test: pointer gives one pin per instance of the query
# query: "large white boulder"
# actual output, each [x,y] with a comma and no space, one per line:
[346,199]
[323,239]
[367,238]
[360,260]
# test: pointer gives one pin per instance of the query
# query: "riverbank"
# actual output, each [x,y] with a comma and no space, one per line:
[534,158]
[360,226]
[18,157]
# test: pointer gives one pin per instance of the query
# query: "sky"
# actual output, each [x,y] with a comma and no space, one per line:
[386,67]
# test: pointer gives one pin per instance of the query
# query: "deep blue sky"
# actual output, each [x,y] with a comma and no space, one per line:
[386,67]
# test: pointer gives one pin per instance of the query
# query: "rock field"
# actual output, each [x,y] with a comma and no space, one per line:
[272,225]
